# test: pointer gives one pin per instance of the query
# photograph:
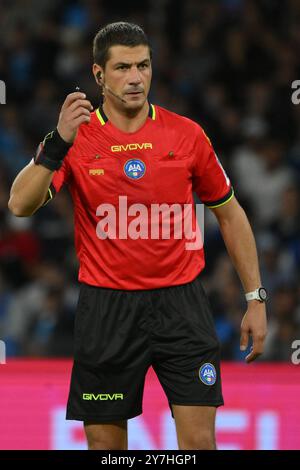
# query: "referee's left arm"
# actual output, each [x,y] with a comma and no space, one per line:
[240,243]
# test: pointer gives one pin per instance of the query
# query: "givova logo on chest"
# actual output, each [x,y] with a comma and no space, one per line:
[134,146]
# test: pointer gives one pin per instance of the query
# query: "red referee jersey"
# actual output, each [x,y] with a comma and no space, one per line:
[162,163]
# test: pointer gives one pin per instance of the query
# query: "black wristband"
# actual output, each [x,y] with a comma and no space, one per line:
[51,151]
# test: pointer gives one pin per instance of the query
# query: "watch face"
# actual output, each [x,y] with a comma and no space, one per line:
[262,293]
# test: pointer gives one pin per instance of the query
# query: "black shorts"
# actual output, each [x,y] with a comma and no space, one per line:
[119,334]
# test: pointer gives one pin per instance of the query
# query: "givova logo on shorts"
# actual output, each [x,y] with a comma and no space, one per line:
[102,396]
[208,374]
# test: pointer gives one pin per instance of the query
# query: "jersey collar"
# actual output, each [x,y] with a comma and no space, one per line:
[103,118]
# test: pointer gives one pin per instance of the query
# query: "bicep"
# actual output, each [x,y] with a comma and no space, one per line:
[228,211]
[210,181]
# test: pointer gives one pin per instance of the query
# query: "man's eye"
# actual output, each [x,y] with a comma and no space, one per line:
[122,67]
[143,66]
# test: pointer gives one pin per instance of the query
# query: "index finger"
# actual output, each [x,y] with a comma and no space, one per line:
[257,350]
[252,356]
[76,95]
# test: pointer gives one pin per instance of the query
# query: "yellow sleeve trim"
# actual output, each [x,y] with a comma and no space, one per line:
[222,203]
[50,196]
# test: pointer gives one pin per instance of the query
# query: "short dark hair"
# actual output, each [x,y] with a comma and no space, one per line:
[113,34]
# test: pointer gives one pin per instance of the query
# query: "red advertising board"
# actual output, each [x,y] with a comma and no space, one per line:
[261,408]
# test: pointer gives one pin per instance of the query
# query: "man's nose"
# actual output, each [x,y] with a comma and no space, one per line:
[135,76]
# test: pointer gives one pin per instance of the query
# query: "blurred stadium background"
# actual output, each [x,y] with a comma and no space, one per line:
[227,64]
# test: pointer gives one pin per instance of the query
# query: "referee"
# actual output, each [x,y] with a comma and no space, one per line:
[141,300]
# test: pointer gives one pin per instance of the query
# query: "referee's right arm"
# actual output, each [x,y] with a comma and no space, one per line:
[30,188]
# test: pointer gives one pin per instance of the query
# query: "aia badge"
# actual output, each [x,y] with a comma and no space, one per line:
[207,374]
[134,169]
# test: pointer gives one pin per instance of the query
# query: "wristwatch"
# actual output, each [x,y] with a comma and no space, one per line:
[258,294]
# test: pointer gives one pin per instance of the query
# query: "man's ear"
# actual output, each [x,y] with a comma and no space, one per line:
[98,74]
[99,77]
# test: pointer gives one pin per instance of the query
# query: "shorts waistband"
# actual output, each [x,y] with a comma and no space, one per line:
[142,291]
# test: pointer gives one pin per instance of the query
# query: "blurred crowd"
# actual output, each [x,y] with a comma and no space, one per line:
[227,64]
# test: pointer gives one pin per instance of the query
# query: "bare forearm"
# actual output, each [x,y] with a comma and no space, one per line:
[29,189]
[241,246]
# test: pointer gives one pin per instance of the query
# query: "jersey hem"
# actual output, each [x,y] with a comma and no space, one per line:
[140,289]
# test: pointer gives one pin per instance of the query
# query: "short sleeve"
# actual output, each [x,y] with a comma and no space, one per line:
[60,178]
[210,181]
